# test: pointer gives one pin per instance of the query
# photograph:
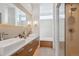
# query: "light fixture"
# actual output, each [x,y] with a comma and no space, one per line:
[29,22]
[35,22]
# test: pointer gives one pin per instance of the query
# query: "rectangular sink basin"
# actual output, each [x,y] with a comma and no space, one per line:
[9,46]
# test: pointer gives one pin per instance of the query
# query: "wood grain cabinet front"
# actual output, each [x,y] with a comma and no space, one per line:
[21,52]
[28,50]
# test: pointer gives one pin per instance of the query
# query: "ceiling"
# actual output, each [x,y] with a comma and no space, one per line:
[27,6]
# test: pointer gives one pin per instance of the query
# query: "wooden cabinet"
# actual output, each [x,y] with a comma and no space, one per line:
[29,49]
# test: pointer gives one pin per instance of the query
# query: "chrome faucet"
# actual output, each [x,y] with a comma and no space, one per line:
[1,36]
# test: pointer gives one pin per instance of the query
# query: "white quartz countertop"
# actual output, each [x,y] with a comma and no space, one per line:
[9,41]
[4,51]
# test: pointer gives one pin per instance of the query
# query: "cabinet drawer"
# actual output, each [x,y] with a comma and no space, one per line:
[28,46]
[27,50]
[22,52]
[31,48]
[31,51]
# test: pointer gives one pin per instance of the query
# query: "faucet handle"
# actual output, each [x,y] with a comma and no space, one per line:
[4,33]
[1,37]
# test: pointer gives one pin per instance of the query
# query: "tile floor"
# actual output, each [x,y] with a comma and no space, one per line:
[47,52]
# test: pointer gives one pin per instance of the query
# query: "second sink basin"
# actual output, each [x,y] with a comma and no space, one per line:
[7,47]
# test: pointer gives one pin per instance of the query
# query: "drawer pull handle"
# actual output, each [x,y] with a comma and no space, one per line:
[30,50]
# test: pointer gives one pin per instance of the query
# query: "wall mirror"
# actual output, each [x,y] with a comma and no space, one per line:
[13,20]
[20,17]
[10,14]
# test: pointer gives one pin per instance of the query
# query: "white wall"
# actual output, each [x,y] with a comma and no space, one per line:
[46,16]
[35,18]
[46,30]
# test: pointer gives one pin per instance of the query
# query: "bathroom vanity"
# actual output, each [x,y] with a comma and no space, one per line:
[18,22]
[28,49]
[19,46]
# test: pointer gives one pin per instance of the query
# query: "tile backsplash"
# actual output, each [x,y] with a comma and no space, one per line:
[12,30]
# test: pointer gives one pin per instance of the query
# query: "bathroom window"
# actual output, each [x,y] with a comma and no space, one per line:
[46,11]
[20,18]
[46,17]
